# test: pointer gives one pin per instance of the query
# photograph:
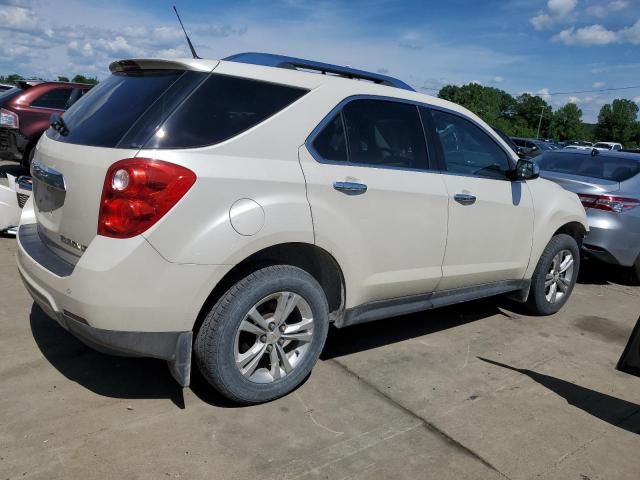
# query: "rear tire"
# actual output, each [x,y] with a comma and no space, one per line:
[264,335]
[555,276]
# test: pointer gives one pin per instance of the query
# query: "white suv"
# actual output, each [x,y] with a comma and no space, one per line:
[241,206]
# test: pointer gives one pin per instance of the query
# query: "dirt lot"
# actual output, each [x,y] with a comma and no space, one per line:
[477,391]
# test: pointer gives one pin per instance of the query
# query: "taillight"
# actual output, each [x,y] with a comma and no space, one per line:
[8,119]
[137,192]
[608,203]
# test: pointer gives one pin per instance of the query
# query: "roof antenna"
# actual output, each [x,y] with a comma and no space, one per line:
[193,50]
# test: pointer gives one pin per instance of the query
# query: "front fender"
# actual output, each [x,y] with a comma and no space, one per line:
[554,207]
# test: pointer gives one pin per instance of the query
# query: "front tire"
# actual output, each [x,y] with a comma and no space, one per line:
[264,335]
[555,276]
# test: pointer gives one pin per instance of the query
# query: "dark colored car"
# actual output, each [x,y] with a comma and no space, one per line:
[532,146]
[25,112]
[522,153]
[4,87]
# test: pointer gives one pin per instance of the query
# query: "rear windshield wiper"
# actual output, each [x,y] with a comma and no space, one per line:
[58,125]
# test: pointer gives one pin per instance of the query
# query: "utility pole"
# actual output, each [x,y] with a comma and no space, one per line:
[540,122]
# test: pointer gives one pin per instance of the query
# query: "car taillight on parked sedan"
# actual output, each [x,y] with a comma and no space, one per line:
[137,192]
[608,203]
[8,119]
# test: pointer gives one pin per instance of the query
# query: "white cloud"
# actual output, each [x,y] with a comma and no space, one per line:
[631,34]
[636,99]
[544,93]
[557,11]
[541,21]
[602,11]
[411,41]
[599,84]
[586,36]
[599,35]
[574,100]
[18,18]
[561,7]
[498,79]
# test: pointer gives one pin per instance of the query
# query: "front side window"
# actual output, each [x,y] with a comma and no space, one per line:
[56,99]
[331,143]
[467,149]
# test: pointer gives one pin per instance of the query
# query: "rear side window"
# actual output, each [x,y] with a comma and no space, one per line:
[56,99]
[221,108]
[467,149]
[617,169]
[383,133]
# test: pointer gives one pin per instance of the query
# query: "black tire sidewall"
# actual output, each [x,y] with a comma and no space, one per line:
[217,362]
[538,303]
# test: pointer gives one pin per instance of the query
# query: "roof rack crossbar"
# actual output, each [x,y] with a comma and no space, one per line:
[282,61]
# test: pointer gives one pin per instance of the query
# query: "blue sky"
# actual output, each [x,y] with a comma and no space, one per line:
[535,46]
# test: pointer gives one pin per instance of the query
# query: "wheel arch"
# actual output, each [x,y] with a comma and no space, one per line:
[313,259]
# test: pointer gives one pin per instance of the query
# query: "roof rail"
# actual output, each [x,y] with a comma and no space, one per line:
[282,61]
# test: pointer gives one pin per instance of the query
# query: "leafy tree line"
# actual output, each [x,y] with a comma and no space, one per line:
[14,78]
[521,116]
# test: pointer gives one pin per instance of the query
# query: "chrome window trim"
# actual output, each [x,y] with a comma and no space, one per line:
[433,168]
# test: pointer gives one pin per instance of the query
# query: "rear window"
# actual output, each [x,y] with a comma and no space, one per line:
[617,169]
[171,109]
[103,116]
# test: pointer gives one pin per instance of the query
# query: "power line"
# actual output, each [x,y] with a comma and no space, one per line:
[561,93]
[594,91]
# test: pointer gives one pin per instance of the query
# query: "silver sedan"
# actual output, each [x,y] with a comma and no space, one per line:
[608,184]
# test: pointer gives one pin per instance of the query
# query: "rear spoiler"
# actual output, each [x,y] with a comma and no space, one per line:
[24,84]
[139,64]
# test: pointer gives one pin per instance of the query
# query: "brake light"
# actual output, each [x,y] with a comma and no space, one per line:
[8,119]
[608,203]
[138,192]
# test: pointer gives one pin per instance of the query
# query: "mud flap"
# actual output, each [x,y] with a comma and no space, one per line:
[630,360]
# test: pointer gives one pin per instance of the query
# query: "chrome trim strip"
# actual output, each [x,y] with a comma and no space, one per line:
[48,176]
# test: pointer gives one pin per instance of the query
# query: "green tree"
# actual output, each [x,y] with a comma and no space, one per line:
[11,79]
[62,78]
[617,121]
[493,105]
[82,79]
[566,123]
[528,108]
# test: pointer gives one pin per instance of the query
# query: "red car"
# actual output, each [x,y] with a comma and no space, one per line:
[25,113]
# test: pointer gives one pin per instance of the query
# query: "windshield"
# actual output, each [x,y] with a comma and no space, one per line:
[617,169]
[602,145]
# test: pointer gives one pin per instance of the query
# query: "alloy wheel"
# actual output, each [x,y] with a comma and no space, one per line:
[558,280]
[274,337]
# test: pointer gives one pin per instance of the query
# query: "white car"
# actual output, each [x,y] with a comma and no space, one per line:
[241,206]
[15,190]
[606,146]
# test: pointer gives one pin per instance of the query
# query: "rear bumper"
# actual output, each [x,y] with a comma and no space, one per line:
[121,297]
[12,144]
[613,238]
[174,347]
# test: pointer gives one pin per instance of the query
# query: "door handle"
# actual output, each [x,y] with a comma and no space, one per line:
[350,188]
[464,198]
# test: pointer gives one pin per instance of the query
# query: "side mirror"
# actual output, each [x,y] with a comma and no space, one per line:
[525,170]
